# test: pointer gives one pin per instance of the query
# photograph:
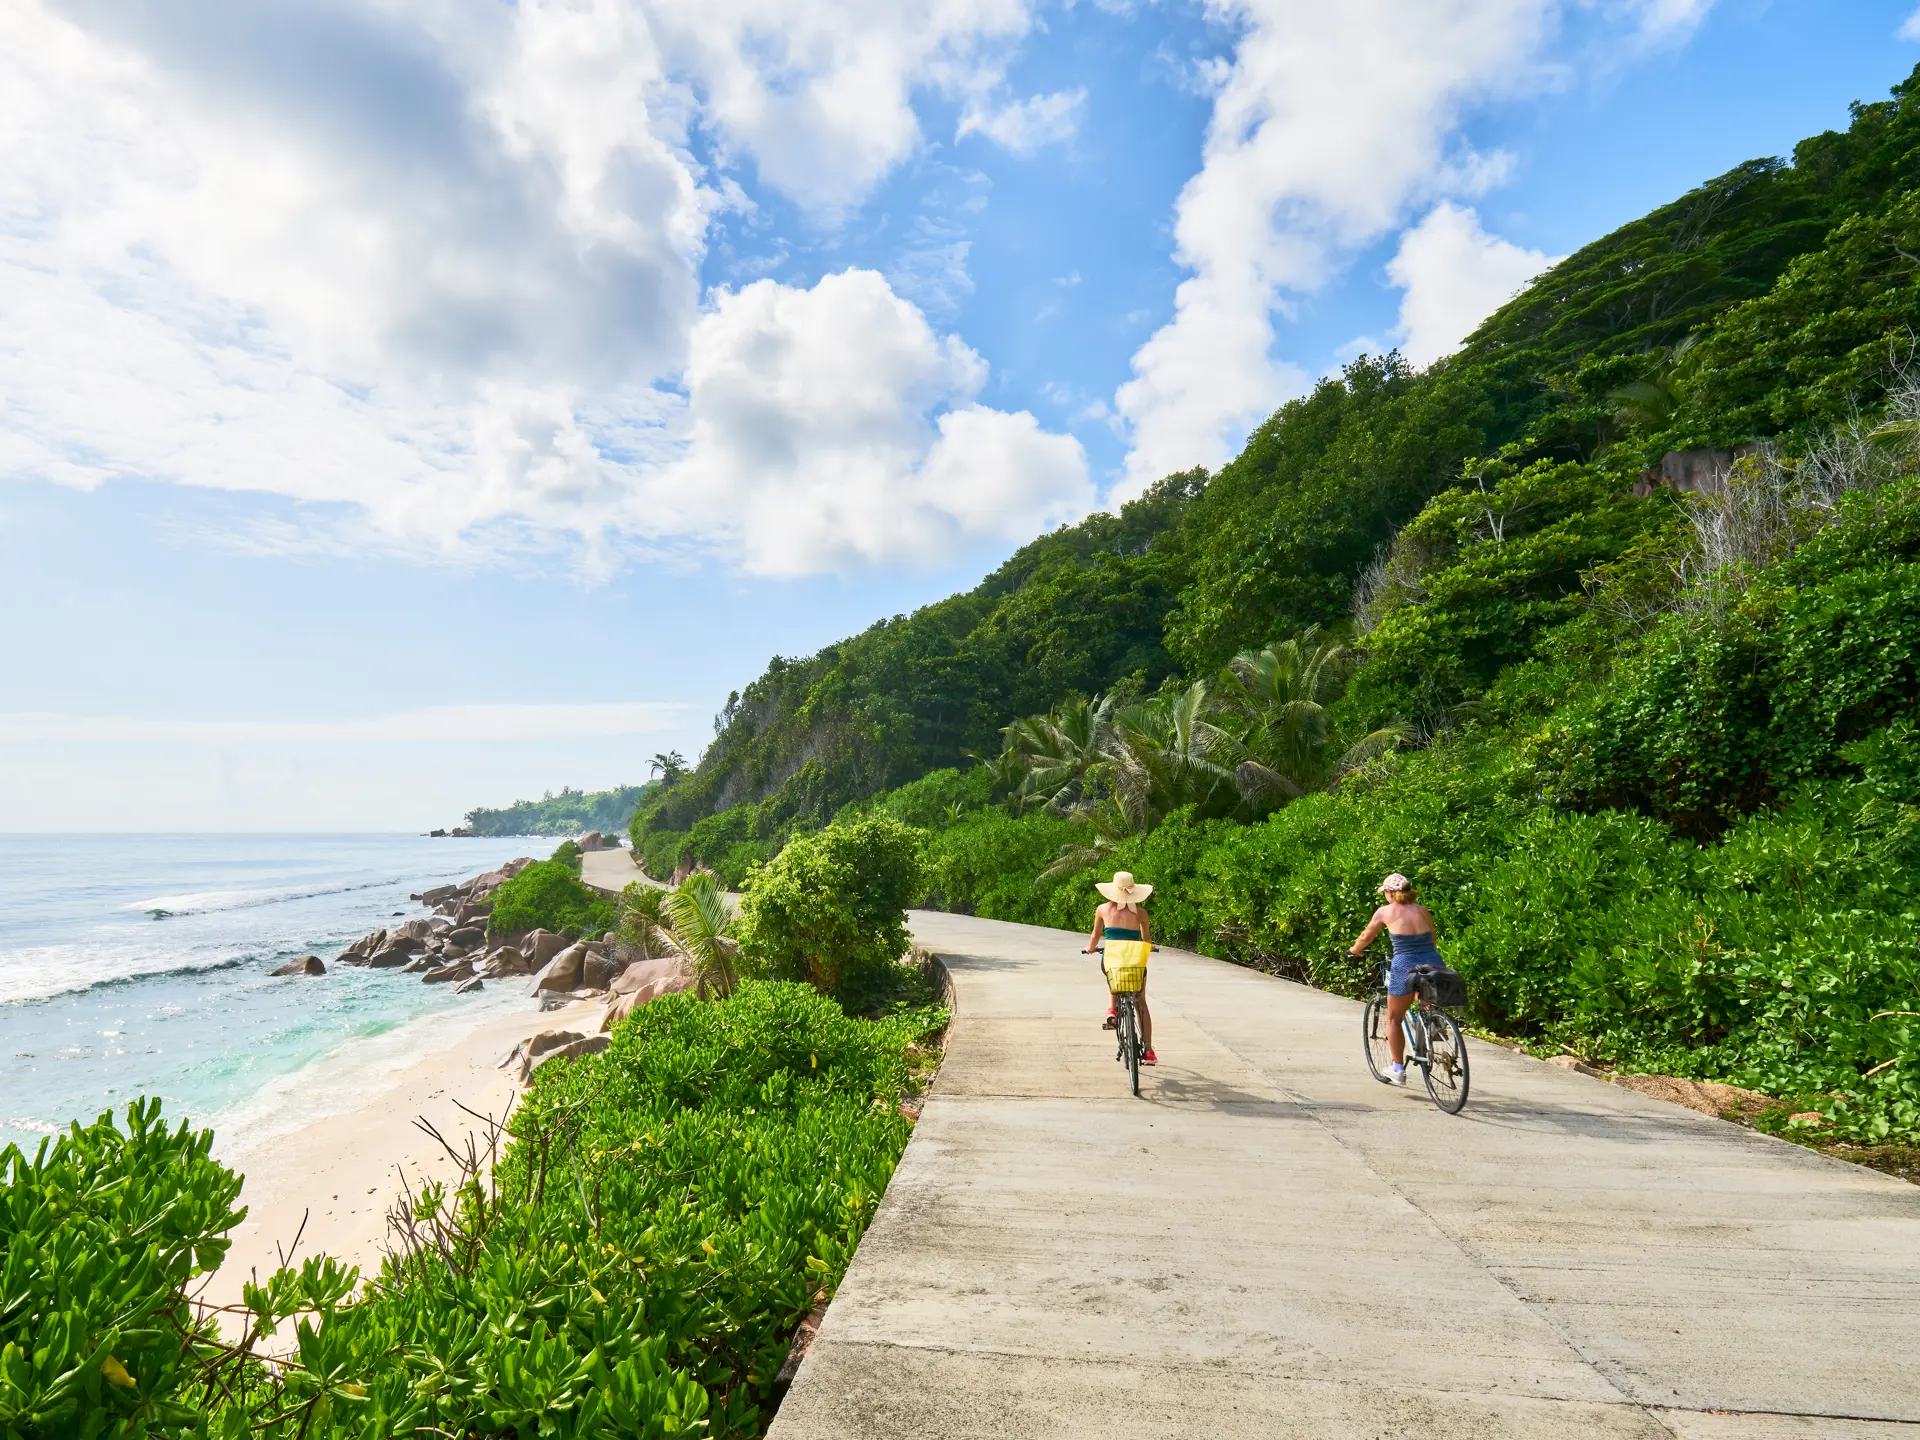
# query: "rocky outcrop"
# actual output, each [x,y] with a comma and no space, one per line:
[536,1050]
[562,972]
[504,961]
[440,974]
[467,987]
[645,980]
[542,945]
[305,965]
[598,969]
[593,840]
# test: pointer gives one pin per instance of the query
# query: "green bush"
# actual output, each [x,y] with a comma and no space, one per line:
[549,896]
[567,853]
[831,908]
[1717,717]
[661,1219]
[102,1229]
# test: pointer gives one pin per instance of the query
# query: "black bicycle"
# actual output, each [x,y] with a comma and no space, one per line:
[1435,1041]
[1127,1027]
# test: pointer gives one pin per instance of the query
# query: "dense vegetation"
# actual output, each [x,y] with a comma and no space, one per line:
[571,812]
[1648,752]
[548,895]
[663,1216]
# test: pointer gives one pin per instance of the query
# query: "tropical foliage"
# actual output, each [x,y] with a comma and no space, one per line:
[548,895]
[831,909]
[694,919]
[662,1217]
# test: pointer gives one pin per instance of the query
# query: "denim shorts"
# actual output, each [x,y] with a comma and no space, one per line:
[1400,973]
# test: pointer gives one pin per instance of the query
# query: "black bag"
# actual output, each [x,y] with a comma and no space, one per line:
[1439,987]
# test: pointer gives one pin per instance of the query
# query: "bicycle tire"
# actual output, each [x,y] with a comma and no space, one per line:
[1373,1039]
[1130,1042]
[1446,1068]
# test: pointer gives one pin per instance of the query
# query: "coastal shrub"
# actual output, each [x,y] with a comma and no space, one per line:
[831,908]
[101,1230]
[549,896]
[662,1217]
[567,853]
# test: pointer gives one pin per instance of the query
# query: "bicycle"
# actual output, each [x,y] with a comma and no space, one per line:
[1126,1025]
[1435,1041]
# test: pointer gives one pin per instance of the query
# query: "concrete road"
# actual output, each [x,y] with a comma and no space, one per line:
[1269,1243]
[610,871]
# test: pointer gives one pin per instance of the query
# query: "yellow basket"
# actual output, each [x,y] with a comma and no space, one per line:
[1126,965]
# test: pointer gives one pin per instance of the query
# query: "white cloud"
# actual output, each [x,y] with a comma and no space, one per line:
[1910,27]
[1329,122]
[831,426]
[1024,126]
[1454,275]
[1331,118]
[435,724]
[440,263]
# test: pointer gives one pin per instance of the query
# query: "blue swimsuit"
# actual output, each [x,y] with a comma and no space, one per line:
[1409,951]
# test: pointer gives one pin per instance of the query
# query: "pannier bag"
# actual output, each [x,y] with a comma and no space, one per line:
[1438,986]
[1125,962]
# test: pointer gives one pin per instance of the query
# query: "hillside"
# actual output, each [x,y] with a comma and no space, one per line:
[1581,368]
[1604,629]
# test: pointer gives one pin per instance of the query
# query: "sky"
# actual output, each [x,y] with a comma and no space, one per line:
[410,405]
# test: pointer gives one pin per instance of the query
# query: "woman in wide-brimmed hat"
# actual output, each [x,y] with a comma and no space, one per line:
[1124,917]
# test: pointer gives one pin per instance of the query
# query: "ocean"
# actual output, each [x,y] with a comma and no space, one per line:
[139,965]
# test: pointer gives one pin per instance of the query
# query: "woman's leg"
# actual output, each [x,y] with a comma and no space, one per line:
[1146,1020]
[1397,1007]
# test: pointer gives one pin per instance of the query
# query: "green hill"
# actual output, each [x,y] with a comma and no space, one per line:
[1603,628]
[571,812]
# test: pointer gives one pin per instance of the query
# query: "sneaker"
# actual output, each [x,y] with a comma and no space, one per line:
[1396,1074]
[1147,1057]
[1112,1022]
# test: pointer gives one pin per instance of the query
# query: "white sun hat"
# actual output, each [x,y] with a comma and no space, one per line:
[1122,889]
[1395,881]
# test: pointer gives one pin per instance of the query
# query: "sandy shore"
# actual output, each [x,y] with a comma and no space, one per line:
[341,1172]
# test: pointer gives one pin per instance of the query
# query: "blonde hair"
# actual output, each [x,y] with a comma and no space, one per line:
[1410,893]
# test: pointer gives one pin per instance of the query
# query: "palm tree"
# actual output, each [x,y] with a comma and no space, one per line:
[1161,755]
[1058,751]
[1284,738]
[669,766]
[695,920]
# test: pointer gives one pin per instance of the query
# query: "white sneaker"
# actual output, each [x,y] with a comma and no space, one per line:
[1396,1074]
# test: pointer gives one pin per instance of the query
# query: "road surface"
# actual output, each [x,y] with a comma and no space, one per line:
[1269,1243]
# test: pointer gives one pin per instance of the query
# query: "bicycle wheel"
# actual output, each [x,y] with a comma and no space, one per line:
[1129,1041]
[1446,1067]
[1373,1038]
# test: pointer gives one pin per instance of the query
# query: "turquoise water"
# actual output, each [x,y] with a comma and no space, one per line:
[138,965]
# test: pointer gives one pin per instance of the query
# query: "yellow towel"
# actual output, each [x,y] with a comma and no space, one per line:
[1126,964]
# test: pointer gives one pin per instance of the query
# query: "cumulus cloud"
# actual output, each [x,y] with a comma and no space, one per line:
[1454,275]
[832,426]
[1329,120]
[1910,27]
[1328,123]
[441,262]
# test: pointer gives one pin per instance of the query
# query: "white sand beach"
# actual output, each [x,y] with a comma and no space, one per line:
[340,1173]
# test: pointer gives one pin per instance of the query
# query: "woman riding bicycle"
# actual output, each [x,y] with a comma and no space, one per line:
[1124,917]
[1409,930]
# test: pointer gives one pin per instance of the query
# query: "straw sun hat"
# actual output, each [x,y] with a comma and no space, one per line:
[1122,889]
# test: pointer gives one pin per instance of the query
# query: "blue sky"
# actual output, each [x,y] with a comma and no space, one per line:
[410,406]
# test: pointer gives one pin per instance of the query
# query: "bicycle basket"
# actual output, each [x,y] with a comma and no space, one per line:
[1126,965]
[1439,986]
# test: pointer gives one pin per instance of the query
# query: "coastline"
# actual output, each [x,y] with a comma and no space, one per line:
[341,1172]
